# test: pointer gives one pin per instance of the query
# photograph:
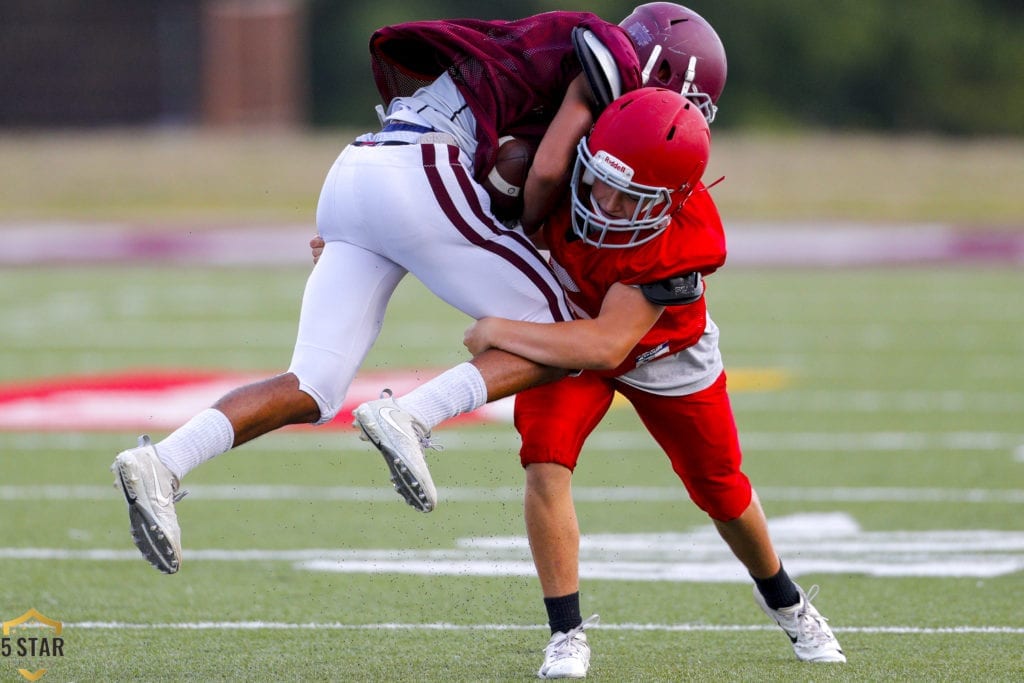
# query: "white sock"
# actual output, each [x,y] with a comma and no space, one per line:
[451,393]
[202,438]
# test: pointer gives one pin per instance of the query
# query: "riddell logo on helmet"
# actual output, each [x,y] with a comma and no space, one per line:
[613,166]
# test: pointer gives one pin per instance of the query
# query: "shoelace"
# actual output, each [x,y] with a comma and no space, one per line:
[422,435]
[176,495]
[568,642]
[424,438]
[811,625]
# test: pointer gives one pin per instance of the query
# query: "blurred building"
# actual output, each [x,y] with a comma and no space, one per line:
[69,63]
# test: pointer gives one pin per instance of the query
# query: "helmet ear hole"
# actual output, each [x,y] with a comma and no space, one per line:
[664,73]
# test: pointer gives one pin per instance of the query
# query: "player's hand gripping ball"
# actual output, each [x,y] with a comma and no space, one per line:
[506,180]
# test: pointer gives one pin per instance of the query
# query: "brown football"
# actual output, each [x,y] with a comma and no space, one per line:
[505,182]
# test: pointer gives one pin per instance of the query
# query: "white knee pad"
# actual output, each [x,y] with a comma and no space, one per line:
[326,382]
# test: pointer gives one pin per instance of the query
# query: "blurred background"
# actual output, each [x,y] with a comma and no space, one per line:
[232,110]
[942,66]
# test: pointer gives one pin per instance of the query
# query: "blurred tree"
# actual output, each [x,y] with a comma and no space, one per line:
[343,90]
[948,66]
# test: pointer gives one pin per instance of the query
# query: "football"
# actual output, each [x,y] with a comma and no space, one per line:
[505,182]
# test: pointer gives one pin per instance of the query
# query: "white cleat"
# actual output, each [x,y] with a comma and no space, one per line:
[808,631]
[151,491]
[568,654]
[401,439]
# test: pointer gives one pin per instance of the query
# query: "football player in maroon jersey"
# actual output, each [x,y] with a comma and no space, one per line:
[408,198]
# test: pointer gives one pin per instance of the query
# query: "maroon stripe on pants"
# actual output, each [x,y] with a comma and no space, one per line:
[460,223]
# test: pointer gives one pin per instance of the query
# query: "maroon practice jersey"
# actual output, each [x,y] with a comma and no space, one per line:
[693,241]
[513,74]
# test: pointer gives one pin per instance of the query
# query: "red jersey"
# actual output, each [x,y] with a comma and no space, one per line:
[512,74]
[693,241]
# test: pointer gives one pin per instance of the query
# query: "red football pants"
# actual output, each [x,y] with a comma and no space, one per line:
[697,432]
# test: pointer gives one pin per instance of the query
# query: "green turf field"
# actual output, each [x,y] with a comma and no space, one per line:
[889,447]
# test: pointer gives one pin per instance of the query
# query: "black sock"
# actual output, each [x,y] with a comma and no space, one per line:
[563,612]
[778,591]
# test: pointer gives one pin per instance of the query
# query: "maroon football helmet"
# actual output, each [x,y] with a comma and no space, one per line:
[679,50]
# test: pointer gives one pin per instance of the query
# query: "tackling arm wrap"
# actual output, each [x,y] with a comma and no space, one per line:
[675,291]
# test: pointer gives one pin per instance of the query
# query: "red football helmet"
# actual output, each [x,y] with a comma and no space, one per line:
[652,145]
[679,50]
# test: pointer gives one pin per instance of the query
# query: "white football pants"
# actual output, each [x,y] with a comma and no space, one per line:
[388,210]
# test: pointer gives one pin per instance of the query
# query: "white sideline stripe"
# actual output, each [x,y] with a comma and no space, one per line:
[442,626]
[613,441]
[824,401]
[589,494]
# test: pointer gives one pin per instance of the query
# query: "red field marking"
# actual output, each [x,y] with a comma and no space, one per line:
[162,400]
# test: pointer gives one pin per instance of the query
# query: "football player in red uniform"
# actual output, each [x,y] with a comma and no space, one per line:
[631,247]
[678,356]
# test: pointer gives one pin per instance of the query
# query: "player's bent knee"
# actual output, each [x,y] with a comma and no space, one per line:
[328,410]
[546,478]
[723,503]
[547,456]
[324,379]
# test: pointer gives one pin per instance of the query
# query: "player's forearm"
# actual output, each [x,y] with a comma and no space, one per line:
[574,345]
[548,178]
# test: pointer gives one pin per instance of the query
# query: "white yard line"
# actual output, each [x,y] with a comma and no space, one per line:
[589,494]
[871,402]
[612,440]
[817,542]
[442,626]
